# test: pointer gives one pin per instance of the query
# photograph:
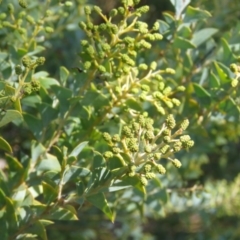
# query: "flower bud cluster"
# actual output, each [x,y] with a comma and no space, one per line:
[109,39]
[146,144]
[236,70]
[31,63]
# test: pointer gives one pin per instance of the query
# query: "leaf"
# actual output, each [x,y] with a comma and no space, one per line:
[75,172]
[164,27]
[99,201]
[10,115]
[63,95]
[77,150]
[222,71]
[195,14]
[50,163]
[203,35]
[37,149]
[60,213]
[11,215]
[63,75]
[47,82]
[5,145]
[100,177]
[34,124]
[48,113]
[179,5]
[183,43]
[213,80]
[49,193]
[133,104]
[200,91]
[38,229]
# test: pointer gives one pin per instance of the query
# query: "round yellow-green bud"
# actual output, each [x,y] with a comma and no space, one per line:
[169,103]
[167,90]
[161,86]
[68,4]
[177,146]
[143,180]
[87,10]
[181,88]
[149,135]
[176,102]
[18,69]
[22,31]
[49,13]
[234,82]
[108,154]
[127,131]
[143,66]
[150,37]
[131,174]
[106,47]
[40,60]
[185,138]
[35,85]
[22,3]
[164,149]
[97,9]
[82,25]
[101,68]
[176,163]
[30,19]
[234,68]
[188,144]
[87,65]
[147,167]
[116,150]
[113,12]
[103,26]
[121,10]
[49,30]
[160,169]
[145,88]
[89,25]
[107,137]
[150,175]
[157,156]
[133,168]
[158,36]
[8,24]
[158,95]
[84,43]
[153,65]
[170,121]
[116,138]
[167,132]
[159,78]
[3,16]
[134,148]
[10,8]
[136,126]
[166,139]
[184,124]
[170,71]
[26,61]
[27,88]
[145,44]
[143,9]
[161,110]
[156,26]
[148,149]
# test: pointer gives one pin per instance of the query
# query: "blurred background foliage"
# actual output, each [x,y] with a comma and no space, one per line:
[201,200]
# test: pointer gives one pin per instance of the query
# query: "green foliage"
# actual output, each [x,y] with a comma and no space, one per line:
[116,129]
